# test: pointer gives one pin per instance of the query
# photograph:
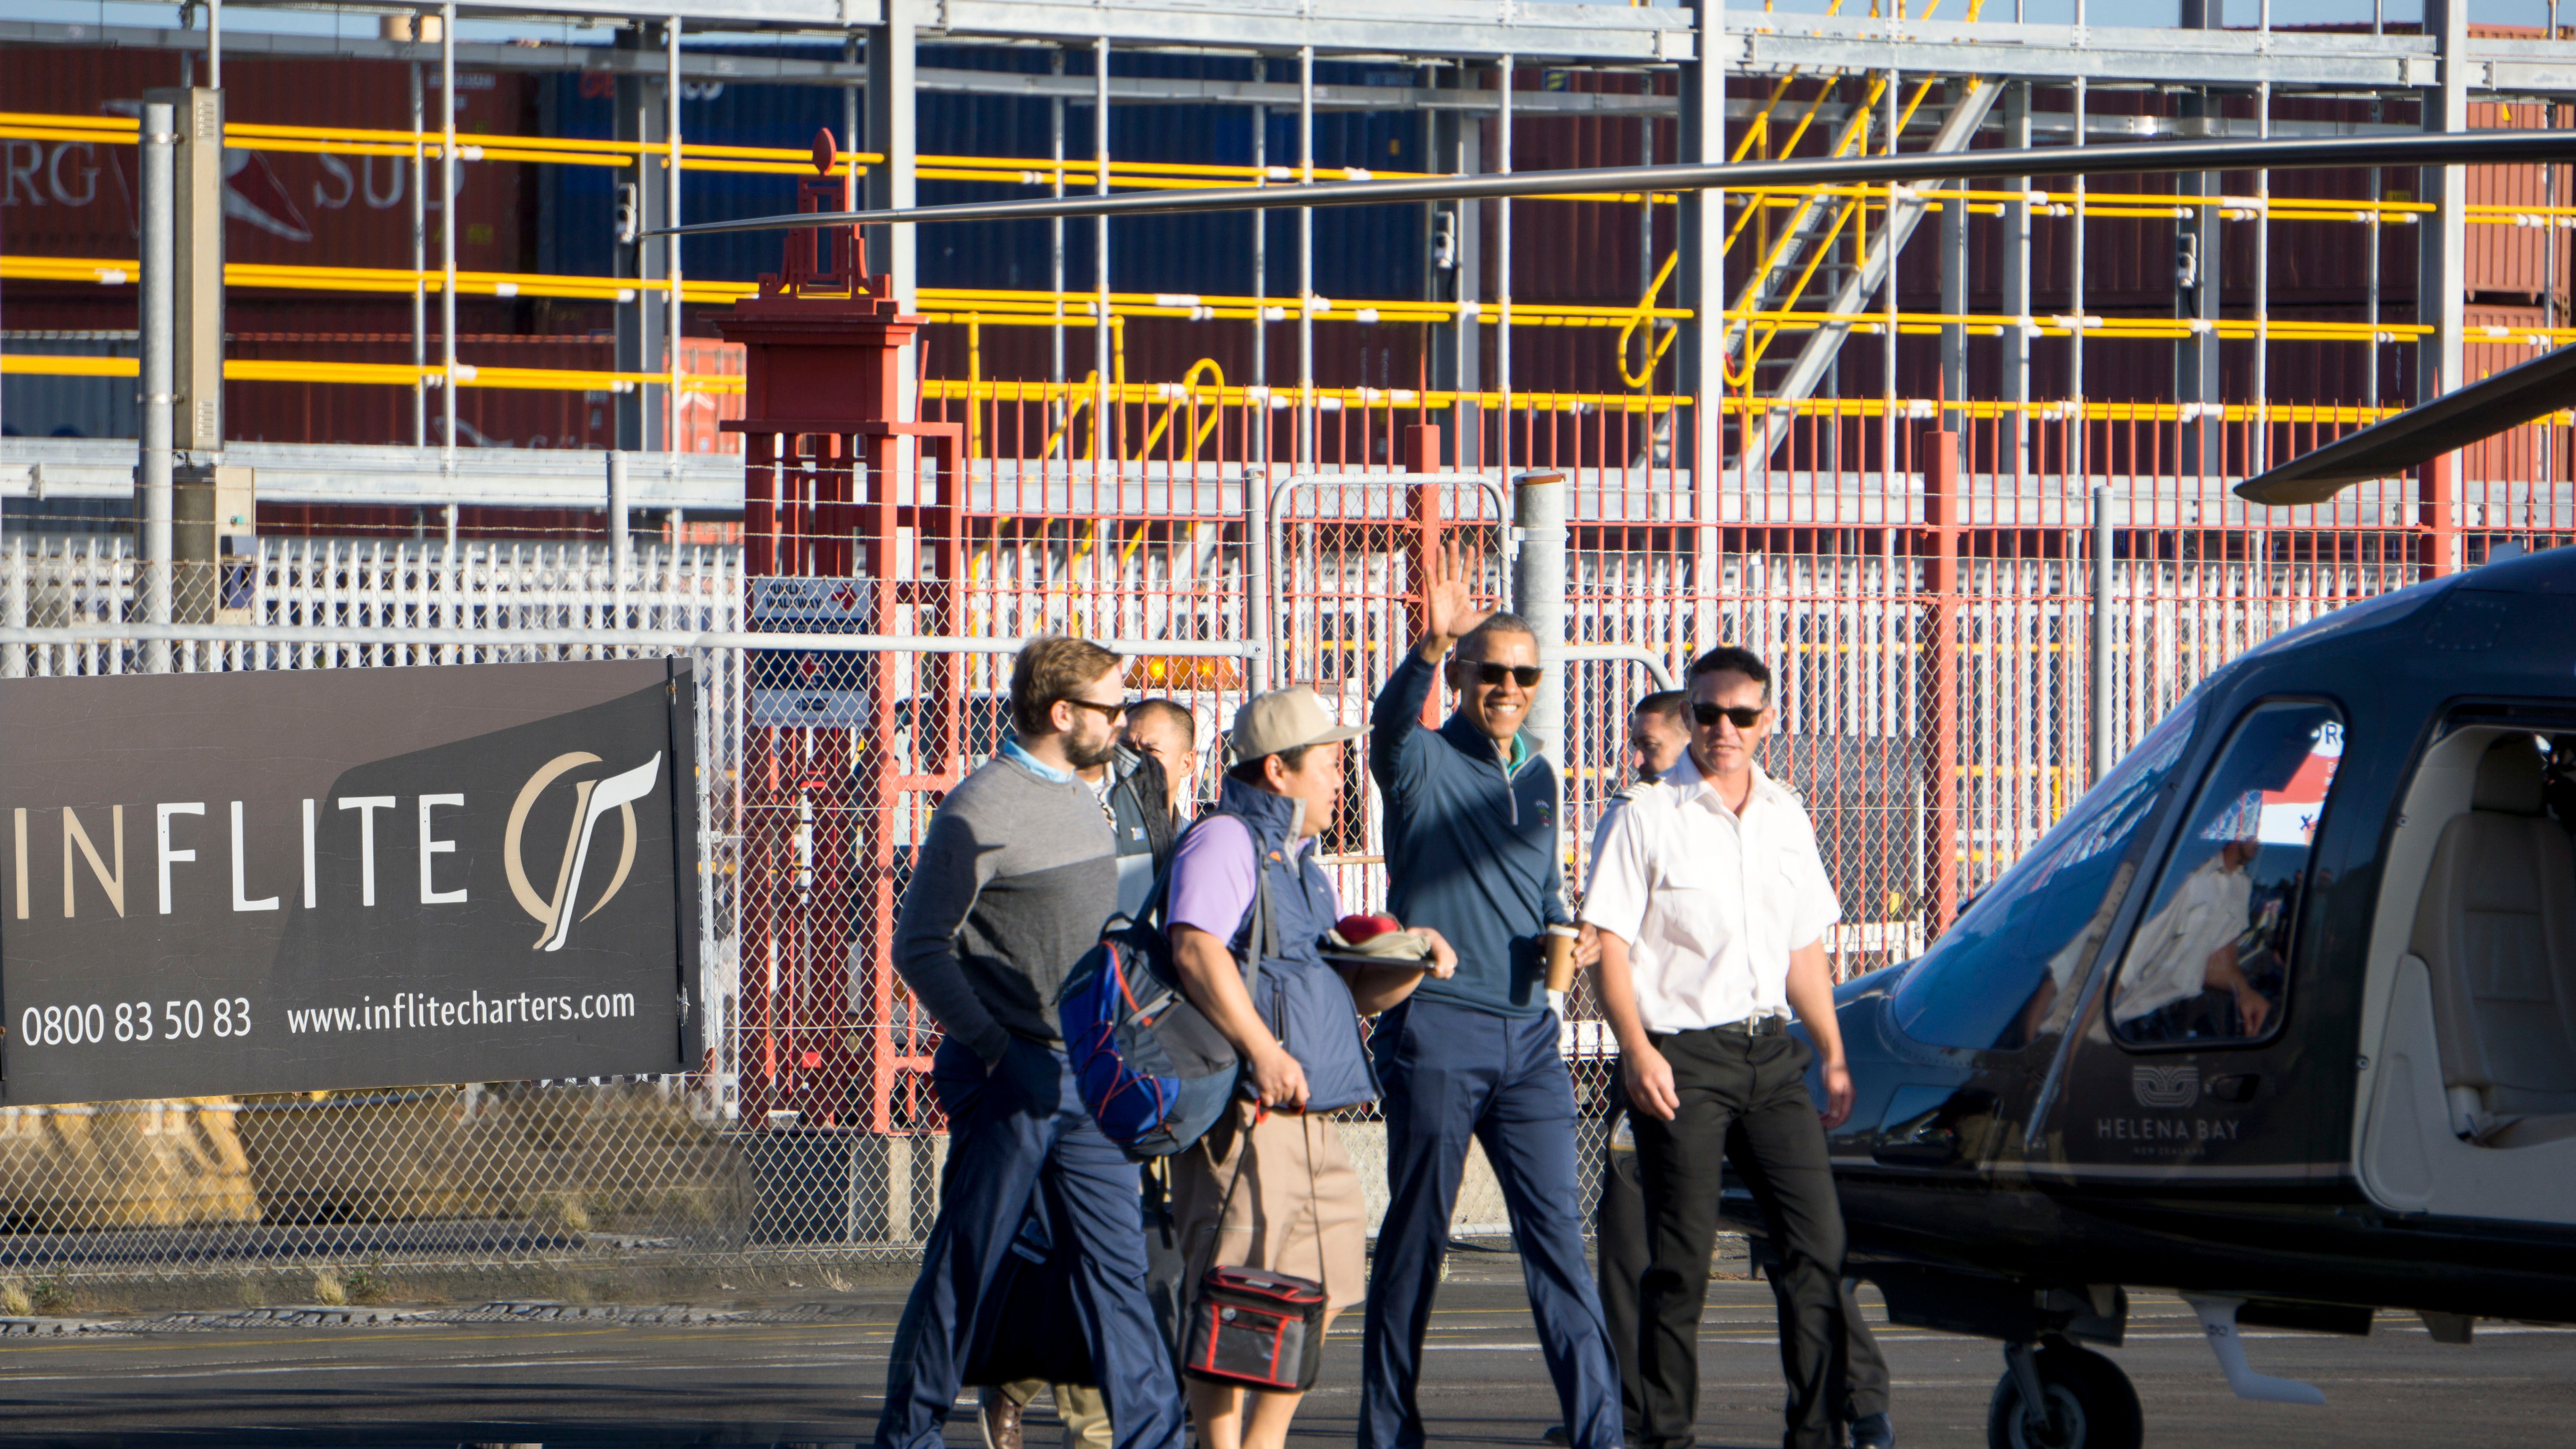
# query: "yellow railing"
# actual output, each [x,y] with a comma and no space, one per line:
[1079,396]
[378,374]
[992,306]
[1171,175]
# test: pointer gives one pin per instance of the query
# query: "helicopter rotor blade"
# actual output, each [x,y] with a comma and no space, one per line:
[2508,399]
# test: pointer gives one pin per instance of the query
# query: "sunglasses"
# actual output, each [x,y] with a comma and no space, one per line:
[1744,717]
[1526,676]
[1107,711]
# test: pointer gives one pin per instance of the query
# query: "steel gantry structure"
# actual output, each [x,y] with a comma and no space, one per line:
[1993,65]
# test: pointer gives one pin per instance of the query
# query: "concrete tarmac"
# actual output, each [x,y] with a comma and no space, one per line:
[624,1381]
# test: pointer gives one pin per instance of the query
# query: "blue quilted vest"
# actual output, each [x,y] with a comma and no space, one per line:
[1302,999]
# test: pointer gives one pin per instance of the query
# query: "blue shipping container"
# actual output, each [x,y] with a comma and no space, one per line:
[1373,252]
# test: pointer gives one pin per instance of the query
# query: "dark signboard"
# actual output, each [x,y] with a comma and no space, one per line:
[303,879]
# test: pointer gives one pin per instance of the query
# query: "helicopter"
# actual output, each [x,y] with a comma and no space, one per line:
[2279,1016]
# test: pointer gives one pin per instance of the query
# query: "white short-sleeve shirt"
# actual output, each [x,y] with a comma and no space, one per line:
[1710,902]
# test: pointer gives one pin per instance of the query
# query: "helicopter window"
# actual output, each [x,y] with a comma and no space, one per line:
[2210,960]
[2002,975]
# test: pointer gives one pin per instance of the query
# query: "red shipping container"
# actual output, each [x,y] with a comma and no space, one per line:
[2519,263]
[702,409]
[1578,252]
[78,198]
[487,417]
[315,412]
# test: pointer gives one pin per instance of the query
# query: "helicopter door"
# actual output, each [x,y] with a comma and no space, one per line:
[2470,1097]
[2181,1070]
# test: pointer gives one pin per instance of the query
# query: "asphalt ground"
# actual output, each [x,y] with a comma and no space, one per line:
[763,1378]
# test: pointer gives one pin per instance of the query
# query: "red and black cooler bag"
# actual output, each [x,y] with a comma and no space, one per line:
[1256,1328]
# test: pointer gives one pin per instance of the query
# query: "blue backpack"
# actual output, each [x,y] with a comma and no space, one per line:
[1154,1071]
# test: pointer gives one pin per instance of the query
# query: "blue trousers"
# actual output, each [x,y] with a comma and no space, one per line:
[1450,1073]
[1021,1122]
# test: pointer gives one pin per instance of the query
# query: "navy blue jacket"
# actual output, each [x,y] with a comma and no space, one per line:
[1471,852]
[1301,998]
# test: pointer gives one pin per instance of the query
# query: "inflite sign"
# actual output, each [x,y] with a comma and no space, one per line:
[307,879]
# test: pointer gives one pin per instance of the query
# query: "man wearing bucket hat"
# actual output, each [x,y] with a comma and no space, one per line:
[1270,1187]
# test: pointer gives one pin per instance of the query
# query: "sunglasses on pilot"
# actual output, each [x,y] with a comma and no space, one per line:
[1526,676]
[1744,717]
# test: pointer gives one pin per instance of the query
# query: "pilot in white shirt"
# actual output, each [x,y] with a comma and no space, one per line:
[1711,906]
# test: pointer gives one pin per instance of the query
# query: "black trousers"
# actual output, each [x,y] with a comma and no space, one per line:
[1619,1226]
[1744,1097]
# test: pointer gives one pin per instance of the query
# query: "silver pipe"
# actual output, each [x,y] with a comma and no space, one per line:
[1538,595]
[2076,462]
[2259,434]
[621,547]
[1657,668]
[1309,453]
[2379,24]
[1103,435]
[671,255]
[2437,148]
[1895,122]
[419,265]
[2017,276]
[447,217]
[1257,518]
[850,94]
[1056,409]
[1260,552]
[160,140]
[1261,256]
[1646,241]
[1503,267]
[215,44]
[2377,184]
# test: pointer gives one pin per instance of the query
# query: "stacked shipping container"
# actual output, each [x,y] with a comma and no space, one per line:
[75,199]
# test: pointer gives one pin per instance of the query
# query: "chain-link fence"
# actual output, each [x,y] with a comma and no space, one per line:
[1935,719]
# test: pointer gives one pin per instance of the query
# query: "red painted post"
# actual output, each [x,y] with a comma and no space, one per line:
[823,347]
[1421,452]
[2439,532]
[1422,455]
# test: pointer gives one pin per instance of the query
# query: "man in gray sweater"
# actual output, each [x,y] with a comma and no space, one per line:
[1012,883]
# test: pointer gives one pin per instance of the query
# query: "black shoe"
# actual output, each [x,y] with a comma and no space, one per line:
[1873,1431]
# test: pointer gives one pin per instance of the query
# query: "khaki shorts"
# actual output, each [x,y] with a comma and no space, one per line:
[1279,1194]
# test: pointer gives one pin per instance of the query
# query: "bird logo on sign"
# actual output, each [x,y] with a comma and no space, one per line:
[592,800]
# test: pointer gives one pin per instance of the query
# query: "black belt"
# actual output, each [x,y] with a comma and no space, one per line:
[1751,1028]
[1755,1026]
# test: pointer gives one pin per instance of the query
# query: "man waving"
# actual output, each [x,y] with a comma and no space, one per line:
[1472,851]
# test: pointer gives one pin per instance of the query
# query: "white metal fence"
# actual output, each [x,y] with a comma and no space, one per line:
[805,1130]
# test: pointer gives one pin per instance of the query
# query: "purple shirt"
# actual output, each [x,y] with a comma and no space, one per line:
[1213,876]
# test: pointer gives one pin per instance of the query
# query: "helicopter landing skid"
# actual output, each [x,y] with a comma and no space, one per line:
[2218,1321]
